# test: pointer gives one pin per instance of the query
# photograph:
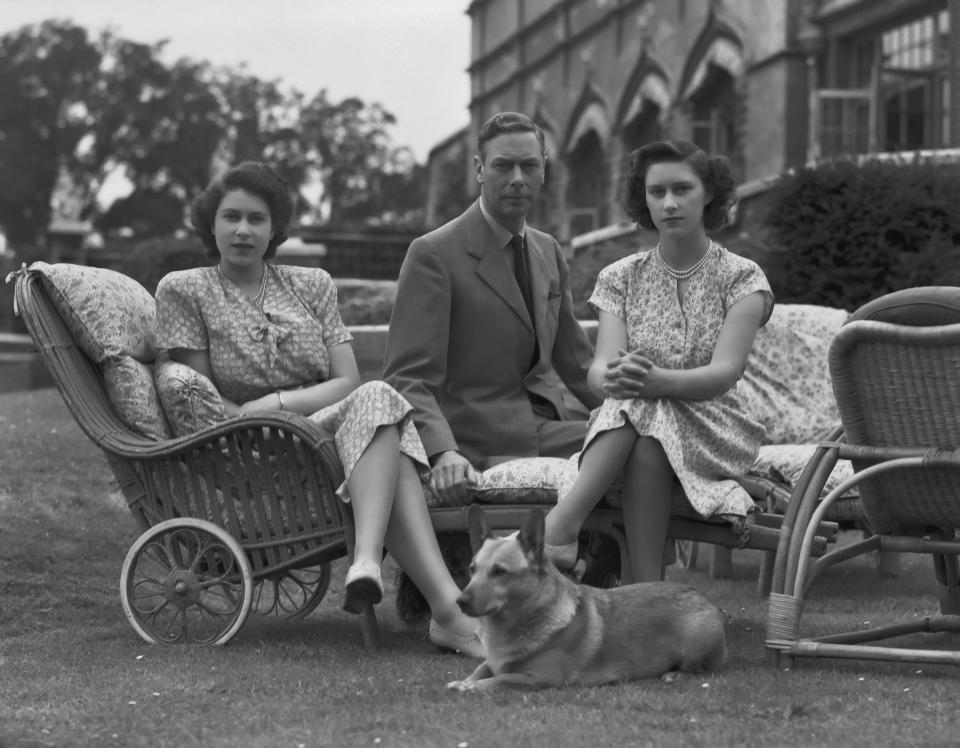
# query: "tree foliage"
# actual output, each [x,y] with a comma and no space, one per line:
[77,110]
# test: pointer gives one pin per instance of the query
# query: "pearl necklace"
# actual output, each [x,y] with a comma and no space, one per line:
[261,292]
[690,271]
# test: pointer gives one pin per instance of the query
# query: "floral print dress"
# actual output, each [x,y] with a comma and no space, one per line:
[282,344]
[709,442]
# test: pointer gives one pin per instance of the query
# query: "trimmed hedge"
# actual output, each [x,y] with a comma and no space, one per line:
[847,232]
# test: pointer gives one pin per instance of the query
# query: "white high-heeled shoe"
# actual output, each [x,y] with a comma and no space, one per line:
[363,586]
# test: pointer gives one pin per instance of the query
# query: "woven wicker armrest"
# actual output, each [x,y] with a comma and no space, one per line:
[130,444]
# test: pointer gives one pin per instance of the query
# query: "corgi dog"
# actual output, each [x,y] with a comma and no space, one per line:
[543,630]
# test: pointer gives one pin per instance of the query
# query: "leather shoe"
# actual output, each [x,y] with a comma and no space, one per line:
[471,646]
[363,587]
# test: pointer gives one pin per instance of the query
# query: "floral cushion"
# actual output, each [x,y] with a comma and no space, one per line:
[528,480]
[540,480]
[130,389]
[109,313]
[784,463]
[113,320]
[190,400]
[787,383]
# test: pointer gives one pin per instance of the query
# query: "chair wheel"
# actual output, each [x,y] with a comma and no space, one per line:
[292,593]
[186,581]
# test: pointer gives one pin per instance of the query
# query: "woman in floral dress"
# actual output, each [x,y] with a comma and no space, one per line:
[270,337]
[676,325]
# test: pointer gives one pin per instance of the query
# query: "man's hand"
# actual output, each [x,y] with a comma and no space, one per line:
[451,477]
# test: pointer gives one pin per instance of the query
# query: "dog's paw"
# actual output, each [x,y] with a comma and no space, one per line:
[460,685]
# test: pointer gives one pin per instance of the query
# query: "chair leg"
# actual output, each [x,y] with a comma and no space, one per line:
[765,579]
[888,564]
[721,562]
[947,571]
[370,628]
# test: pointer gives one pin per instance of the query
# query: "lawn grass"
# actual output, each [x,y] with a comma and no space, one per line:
[74,673]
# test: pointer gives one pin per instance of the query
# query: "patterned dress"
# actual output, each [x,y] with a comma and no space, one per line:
[709,442]
[284,344]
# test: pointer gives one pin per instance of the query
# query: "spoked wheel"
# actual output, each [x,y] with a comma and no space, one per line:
[688,552]
[292,593]
[186,581]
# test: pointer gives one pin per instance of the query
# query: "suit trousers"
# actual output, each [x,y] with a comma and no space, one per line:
[557,439]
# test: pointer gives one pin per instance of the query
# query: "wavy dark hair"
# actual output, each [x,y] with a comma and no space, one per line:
[258,179]
[504,122]
[714,172]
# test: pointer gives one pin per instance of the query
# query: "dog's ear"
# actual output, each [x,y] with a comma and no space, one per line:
[531,535]
[477,525]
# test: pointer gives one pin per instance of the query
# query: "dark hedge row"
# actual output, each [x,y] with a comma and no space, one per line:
[847,232]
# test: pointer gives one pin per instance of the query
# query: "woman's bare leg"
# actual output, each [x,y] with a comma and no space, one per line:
[601,463]
[647,492]
[372,486]
[413,544]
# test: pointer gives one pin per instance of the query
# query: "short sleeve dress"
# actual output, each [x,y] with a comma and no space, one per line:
[709,442]
[282,344]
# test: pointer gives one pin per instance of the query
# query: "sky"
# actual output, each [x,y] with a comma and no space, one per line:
[409,55]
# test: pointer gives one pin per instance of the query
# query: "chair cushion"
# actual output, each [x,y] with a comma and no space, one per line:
[527,480]
[112,319]
[190,401]
[785,463]
[129,385]
[787,383]
[925,306]
[540,480]
[108,313]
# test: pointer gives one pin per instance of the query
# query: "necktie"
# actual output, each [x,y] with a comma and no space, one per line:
[521,272]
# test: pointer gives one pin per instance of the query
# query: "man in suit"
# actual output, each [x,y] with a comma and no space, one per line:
[483,311]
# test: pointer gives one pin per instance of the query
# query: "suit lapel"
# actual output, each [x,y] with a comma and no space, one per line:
[492,267]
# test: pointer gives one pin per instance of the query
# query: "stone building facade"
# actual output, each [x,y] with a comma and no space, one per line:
[772,84]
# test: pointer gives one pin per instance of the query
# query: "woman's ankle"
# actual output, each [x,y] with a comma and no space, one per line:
[454,619]
[560,536]
[366,559]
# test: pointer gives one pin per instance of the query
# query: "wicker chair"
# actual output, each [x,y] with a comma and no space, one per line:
[237,517]
[896,374]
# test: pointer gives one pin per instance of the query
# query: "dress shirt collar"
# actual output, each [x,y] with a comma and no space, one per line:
[503,235]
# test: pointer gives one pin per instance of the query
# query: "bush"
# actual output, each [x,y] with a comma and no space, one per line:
[848,232]
[148,260]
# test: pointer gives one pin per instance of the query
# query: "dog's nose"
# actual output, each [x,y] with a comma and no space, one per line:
[463,602]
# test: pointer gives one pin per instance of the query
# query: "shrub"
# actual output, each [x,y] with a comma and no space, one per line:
[148,260]
[847,232]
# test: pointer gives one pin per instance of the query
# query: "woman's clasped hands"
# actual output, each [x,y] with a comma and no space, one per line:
[631,374]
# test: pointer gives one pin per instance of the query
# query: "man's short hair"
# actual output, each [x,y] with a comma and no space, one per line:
[504,122]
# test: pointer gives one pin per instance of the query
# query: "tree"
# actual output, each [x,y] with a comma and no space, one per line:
[47,74]
[79,111]
[346,142]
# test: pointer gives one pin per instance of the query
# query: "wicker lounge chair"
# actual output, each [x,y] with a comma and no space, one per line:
[239,516]
[896,374]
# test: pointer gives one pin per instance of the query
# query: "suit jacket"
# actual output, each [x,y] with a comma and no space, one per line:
[460,340]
